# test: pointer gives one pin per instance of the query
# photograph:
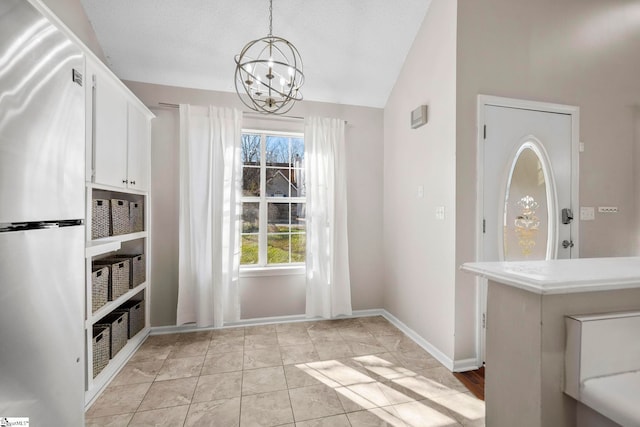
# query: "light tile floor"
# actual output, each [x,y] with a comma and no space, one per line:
[359,372]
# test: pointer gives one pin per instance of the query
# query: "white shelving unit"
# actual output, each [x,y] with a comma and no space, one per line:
[118,134]
[137,242]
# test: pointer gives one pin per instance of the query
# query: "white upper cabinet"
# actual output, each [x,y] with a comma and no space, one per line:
[121,129]
[110,133]
[139,150]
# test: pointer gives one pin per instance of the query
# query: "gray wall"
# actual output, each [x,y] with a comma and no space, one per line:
[636,177]
[420,249]
[276,295]
[576,52]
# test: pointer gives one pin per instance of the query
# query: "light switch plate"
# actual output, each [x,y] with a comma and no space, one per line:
[440,213]
[587,213]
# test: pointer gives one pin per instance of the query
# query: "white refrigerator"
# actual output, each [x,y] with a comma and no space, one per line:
[42,209]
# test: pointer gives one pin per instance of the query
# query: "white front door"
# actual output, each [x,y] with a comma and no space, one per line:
[528,183]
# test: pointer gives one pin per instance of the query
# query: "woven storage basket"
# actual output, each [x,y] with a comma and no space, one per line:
[99,287]
[137,270]
[135,310]
[100,218]
[119,217]
[118,276]
[101,348]
[118,322]
[136,215]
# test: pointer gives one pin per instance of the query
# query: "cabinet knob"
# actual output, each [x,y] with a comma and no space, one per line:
[124,181]
[133,182]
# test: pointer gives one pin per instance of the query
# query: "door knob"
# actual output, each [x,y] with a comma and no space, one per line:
[567,244]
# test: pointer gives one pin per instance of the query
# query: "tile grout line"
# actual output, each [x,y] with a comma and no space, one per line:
[145,395]
[186,417]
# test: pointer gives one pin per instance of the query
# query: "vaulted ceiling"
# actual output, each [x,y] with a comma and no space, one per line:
[352,50]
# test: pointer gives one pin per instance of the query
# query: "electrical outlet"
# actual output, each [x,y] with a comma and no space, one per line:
[608,209]
[440,213]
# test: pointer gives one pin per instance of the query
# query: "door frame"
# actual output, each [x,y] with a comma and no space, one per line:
[489,100]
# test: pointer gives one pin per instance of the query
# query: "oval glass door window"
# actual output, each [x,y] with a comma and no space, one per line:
[528,206]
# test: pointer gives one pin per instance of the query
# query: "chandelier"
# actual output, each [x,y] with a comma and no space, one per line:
[269,73]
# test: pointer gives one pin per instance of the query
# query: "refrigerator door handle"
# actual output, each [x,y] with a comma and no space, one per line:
[38,225]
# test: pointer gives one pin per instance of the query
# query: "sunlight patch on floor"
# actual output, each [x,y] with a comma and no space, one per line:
[383,368]
[387,403]
[339,372]
[424,386]
[380,394]
[463,404]
[417,414]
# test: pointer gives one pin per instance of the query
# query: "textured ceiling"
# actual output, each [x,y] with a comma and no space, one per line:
[352,50]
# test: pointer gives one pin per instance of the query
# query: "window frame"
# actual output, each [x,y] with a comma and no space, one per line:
[262,267]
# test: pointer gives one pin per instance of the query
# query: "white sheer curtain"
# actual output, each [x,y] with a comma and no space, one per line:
[210,186]
[328,286]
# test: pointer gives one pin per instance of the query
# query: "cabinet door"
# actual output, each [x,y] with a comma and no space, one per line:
[139,139]
[110,133]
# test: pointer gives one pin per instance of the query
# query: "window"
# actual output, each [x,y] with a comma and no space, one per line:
[273,199]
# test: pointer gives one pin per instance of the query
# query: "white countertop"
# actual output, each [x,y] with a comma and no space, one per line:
[562,276]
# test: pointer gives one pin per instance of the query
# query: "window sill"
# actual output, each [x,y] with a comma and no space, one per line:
[272,271]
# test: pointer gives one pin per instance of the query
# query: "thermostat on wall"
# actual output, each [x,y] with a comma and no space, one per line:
[419,117]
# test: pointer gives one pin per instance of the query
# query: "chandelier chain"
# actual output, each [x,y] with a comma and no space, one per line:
[270,17]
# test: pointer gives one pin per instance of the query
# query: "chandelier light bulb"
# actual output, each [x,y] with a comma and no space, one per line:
[270,72]
[248,80]
[258,91]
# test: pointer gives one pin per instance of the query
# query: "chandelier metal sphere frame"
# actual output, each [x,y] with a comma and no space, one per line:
[269,73]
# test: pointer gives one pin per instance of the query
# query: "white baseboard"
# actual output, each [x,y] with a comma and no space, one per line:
[172,329]
[368,313]
[454,366]
[178,329]
[465,365]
